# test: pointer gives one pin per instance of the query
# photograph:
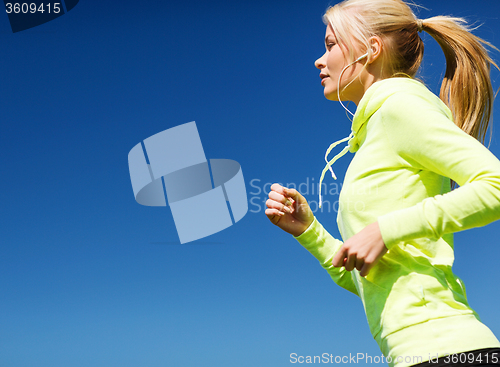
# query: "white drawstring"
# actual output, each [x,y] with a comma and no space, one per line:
[332,161]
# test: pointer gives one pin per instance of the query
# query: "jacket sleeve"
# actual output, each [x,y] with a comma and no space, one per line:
[323,247]
[423,135]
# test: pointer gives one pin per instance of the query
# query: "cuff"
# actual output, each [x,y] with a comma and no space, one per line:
[311,234]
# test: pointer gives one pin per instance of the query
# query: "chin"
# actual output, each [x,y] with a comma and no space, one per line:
[331,96]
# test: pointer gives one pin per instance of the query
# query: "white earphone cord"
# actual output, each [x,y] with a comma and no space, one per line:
[346,148]
[340,77]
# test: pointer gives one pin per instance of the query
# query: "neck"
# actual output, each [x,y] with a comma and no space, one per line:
[369,76]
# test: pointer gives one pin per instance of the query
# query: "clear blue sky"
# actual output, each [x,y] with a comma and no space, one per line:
[91,278]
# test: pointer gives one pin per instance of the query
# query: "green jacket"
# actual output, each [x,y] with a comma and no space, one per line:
[407,149]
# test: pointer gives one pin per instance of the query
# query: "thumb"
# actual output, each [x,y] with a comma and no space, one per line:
[295,196]
[291,193]
[302,212]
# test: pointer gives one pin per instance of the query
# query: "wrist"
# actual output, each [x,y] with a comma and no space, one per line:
[307,226]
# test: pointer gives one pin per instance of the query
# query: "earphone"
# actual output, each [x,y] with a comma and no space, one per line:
[340,77]
[360,58]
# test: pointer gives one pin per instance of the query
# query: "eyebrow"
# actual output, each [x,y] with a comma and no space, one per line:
[326,38]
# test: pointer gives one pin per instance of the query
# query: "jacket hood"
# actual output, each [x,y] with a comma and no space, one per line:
[372,100]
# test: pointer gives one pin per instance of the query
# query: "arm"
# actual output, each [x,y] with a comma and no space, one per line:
[289,210]
[423,135]
[323,247]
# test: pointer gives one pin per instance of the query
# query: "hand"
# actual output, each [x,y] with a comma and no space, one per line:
[362,251]
[289,210]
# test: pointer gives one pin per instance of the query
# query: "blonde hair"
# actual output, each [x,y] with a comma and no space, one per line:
[466,87]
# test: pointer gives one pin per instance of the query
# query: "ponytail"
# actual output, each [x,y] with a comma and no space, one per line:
[466,87]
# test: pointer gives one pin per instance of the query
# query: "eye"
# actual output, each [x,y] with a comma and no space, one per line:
[330,45]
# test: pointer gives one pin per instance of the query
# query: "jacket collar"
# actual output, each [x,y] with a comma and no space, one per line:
[372,100]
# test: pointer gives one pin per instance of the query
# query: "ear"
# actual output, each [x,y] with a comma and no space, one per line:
[376,46]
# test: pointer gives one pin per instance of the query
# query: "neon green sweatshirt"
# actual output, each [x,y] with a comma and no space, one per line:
[407,149]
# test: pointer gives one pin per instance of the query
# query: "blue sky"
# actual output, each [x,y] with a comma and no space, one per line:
[91,278]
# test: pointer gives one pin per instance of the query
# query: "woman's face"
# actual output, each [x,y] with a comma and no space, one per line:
[331,65]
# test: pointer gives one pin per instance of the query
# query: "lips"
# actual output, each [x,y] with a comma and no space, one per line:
[323,77]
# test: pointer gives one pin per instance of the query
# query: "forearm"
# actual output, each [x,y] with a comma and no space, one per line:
[323,246]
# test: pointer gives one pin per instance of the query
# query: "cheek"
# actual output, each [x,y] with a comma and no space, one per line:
[334,63]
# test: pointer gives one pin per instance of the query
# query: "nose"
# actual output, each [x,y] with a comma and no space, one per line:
[320,63]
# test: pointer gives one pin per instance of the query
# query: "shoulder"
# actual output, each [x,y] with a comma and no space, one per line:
[415,111]
[413,118]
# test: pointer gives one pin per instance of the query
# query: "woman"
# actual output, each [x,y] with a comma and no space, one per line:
[398,249]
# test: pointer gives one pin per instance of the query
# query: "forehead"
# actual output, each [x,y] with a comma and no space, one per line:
[329,32]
